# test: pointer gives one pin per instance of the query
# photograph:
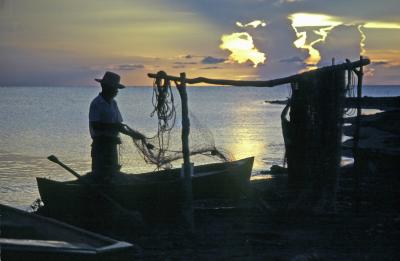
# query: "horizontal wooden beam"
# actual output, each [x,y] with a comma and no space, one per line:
[270,83]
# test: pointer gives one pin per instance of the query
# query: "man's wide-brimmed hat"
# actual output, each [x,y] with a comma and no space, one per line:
[111,79]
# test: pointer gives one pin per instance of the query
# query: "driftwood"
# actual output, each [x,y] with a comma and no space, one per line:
[270,83]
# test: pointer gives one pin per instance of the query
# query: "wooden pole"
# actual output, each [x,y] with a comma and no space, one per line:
[187,208]
[270,83]
[356,138]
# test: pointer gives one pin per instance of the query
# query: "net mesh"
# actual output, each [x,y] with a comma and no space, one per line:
[166,146]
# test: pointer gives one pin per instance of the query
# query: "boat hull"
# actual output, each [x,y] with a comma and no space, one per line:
[26,236]
[153,194]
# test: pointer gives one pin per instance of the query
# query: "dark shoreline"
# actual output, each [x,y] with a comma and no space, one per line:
[258,227]
[365,225]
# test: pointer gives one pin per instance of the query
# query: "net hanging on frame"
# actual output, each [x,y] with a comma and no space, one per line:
[167,142]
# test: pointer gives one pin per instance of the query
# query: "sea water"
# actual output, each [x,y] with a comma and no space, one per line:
[36,122]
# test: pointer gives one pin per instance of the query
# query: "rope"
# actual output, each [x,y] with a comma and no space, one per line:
[164,106]
[165,150]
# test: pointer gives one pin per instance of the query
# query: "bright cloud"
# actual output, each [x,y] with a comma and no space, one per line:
[324,23]
[382,25]
[242,48]
[254,24]
[317,20]
[362,41]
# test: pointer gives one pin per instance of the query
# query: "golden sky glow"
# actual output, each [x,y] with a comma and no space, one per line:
[382,25]
[46,42]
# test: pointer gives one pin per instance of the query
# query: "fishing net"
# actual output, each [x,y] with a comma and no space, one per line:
[166,146]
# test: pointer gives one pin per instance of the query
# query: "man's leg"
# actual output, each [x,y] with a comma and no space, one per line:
[104,160]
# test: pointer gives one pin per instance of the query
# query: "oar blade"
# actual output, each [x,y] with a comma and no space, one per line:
[53,158]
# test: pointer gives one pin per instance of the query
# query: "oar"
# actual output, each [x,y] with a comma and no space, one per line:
[134,216]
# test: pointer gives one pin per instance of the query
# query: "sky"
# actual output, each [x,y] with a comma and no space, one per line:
[71,42]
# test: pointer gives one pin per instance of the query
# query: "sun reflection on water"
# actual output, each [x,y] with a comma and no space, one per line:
[248,134]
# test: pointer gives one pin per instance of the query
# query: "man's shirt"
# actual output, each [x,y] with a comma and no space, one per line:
[104,112]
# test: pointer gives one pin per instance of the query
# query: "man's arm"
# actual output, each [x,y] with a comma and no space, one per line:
[125,129]
[106,126]
[120,127]
[136,135]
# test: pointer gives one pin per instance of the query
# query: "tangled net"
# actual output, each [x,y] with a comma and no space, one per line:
[166,144]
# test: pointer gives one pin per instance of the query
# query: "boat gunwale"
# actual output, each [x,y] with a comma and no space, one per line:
[112,246]
[224,167]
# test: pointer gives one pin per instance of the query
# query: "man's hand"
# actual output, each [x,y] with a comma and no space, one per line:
[135,135]
[149,146]
[125,129]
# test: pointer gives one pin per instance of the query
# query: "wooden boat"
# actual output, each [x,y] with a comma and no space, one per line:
[153,194]
[26,236]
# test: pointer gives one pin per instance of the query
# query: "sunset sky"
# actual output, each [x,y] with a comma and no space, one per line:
[70,42]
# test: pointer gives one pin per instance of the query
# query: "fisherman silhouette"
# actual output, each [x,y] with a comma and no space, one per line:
[105,124]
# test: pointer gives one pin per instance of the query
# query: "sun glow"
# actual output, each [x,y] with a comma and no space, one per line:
[242,48]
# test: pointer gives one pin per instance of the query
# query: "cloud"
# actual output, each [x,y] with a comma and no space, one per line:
[386,64]
[380,63]
[184,63]
[212,60]
[282,2]
[210,68]
[320,24]
[294,59]
[385,58]
[381,25]
[179,66]
[127,67]
[242,48]
[254,24]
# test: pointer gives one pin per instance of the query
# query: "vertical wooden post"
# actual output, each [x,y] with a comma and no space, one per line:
[356,138]
[187,207]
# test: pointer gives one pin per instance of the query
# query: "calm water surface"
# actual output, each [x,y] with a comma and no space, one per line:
[38,121]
